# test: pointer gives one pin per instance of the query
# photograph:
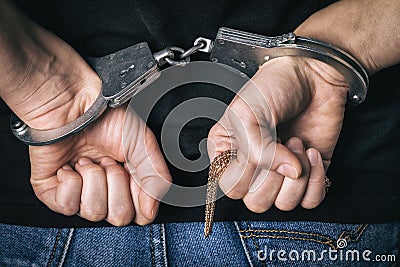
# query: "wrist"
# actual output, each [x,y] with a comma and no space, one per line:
[59,101]
[316,27]
[368,30]
[46,83]
[54,90]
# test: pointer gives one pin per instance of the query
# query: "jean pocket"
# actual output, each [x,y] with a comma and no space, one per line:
[30,246]
[317,244]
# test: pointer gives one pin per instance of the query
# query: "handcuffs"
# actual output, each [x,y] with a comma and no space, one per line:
[128,71]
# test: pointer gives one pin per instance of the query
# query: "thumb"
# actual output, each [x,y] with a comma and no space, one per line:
[242,128]
[249,126]
[285,162]
[145,163]
[61,192]
[255,137]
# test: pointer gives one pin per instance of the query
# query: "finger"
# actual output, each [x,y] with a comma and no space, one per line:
[256,150]
[263,191]
[220,139]
[136,190]
[315,191]
[242,171]
[94,190]
[253,123]
[120,203]
[231,182]
[62,192]
[68,194]
[286,162]
[292,191]
[147,162]
[139,218]
[236,179]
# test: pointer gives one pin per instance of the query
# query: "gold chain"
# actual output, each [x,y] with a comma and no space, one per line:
[217,168]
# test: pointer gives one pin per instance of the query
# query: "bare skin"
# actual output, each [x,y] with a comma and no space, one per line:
[303,98]
[47,84]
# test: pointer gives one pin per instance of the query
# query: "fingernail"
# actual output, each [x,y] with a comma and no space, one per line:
[67,167]
[296,145]
[313,157]
[288,171]
[108,162]
[84,161]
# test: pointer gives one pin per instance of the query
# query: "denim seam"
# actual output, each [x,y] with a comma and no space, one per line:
[246,250]
[254,241]
[328,242]
[283,231]
[252,234]
[153,260]
[66,247]
[360,230]
[163,244]
[53,251]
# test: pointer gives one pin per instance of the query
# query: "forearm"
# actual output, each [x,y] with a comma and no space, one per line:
[21,56]
[41,74]
[368,29]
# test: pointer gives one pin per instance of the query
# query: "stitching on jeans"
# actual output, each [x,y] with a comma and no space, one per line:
[344,235]
[252,234]
[327,242]
[347,234]
[254,241]
[284,231]
[252,237]
[53,251]
[246,250]
[153,260]
[66,247]
[163,244]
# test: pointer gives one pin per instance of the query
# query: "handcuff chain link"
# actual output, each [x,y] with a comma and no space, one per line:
[176,56]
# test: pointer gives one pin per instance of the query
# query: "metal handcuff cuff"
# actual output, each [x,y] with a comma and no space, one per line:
[128,71]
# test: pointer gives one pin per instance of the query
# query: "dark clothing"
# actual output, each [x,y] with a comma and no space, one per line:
[365,172]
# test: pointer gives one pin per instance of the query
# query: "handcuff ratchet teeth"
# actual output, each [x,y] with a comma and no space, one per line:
[130,70]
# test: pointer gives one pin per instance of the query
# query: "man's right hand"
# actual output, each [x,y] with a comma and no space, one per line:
[85,173]
[47,84]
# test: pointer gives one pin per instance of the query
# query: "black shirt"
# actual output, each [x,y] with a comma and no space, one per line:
[365,172]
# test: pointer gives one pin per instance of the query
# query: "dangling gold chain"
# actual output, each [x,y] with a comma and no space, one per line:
[217,168]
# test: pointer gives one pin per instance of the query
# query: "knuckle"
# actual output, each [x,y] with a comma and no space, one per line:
[310,204]
[142,221]
[96,171]
[232,189]
[116,170]
[257,207]
[68,209]
[120,216]
[213,131]
[119,221]
[93,217]
[91,169]
[235,194]
[285,205]
[93,214]
[254,156]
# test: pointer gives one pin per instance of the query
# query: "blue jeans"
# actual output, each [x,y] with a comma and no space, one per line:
[183,244]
